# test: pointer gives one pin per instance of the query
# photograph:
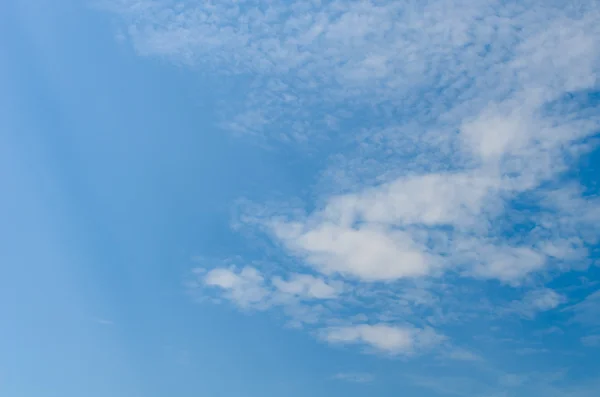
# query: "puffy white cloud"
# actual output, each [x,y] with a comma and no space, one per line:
[297,296]
[429,199]
[338,240]
[370,253]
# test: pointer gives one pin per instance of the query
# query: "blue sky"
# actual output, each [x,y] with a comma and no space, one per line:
[259,198]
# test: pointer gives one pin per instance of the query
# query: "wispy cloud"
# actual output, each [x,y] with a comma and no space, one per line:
[307,286]
[591,340]
[587,311]
[438,58]
[458,354]
[537,301]
[383,338]
[448,129]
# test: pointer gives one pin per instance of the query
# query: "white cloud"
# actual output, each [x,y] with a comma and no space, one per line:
[297,297]
[248,286]
[401,228]
[501,261]
[346,239]
[545,299]
[371,253]
[245,288]
[383,338]
[430,199]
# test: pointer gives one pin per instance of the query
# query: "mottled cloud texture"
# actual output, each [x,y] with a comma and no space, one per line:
[449,132]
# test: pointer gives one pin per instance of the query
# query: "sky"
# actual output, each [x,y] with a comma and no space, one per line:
[257,198]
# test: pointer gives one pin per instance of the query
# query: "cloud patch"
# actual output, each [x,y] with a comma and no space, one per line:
[245,288]
[537,301]
[388,339]
[307,286]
